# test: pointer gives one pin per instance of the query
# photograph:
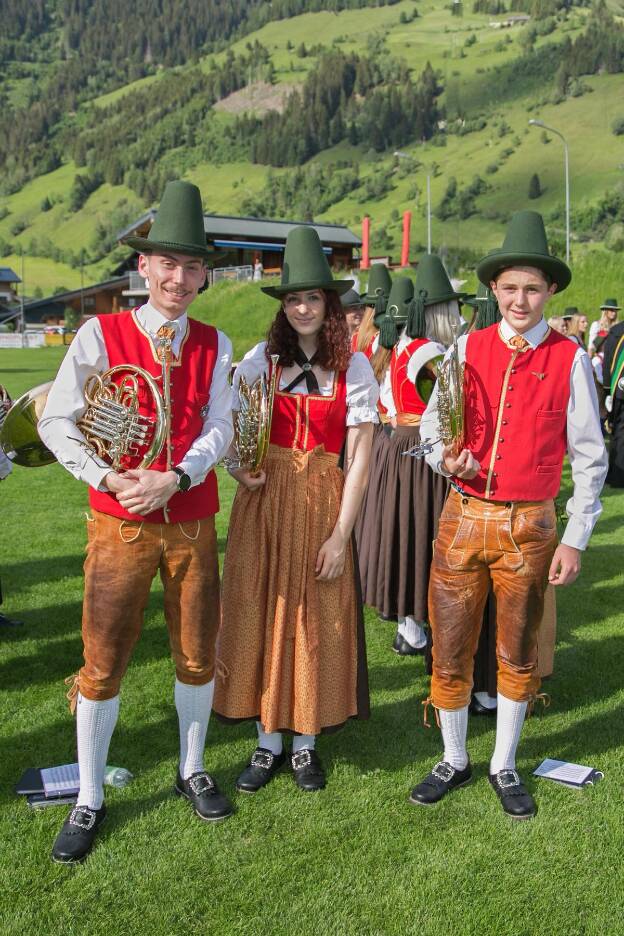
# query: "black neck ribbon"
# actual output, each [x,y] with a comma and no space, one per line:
[306,374]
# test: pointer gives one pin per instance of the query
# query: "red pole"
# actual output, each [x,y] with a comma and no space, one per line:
[365,264]
[407,220]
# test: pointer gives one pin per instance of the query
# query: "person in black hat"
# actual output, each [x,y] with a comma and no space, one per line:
[152,520]
[291,646]
[613,382]
[528,396]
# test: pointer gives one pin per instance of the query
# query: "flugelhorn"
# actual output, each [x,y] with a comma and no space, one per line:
[113,425]
[252,422]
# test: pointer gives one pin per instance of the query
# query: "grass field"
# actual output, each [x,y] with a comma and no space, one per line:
[355,860]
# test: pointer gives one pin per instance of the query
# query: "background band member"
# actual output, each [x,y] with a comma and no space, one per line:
[417,329]
[152,520]
[529,395]
[291,648]
[613,380]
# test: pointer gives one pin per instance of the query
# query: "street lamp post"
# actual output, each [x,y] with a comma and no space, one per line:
[401,155]
[540,123]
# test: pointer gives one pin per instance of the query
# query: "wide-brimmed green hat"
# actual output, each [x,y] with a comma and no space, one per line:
[397,311]
[379,284]
[432,281]
[486,307]
[179,224]
[305,266]
[525,244]
[610,304]
[569,312]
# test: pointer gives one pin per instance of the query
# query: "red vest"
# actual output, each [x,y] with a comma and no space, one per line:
[304,420]
[191,377]
[406,398]
[516,415]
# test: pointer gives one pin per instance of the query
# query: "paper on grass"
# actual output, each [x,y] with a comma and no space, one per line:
[63,779]
[562,771]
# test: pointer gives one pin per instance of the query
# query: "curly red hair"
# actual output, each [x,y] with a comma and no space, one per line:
[334,351]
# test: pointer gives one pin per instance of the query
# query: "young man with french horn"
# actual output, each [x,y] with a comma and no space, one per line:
[150,515]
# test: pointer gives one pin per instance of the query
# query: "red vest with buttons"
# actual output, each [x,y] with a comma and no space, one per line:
[191,377]
[406,397]
[305,420]
[516,415]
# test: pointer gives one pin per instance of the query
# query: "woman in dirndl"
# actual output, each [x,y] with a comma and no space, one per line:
[367,530]
[417,328]
[291,653]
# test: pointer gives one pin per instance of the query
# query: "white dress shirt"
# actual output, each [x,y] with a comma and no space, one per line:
[586,448]
[362,386]
[87,355]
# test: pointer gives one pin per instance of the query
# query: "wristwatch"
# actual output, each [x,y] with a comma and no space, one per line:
[184,480]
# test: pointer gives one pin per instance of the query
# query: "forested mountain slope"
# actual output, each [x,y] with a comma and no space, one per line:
[103,102]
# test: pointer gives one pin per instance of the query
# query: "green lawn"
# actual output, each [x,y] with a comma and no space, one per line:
[355,860]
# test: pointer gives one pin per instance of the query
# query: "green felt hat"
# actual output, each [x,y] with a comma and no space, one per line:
[305,266]
[179,224]
[432,280]
[525,244]
[379,284]
[397,311]
[610,304]
[570,311]
[486,307]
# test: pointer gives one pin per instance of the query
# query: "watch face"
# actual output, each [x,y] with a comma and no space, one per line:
[184,482]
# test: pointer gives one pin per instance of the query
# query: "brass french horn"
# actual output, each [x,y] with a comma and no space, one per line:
[112,424]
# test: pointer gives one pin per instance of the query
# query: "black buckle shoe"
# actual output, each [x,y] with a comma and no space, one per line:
[74,841]
[477,708]
[307,770]
[403,647]
[261,769]
[515,799]
[203,794]
[442,779]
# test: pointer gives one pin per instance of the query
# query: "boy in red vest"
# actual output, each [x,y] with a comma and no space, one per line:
[529,397]
[149,520]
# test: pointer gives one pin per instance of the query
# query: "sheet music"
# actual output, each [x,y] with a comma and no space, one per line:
[577,774]
[63,779]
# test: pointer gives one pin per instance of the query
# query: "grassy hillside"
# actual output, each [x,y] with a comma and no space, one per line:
[465,51]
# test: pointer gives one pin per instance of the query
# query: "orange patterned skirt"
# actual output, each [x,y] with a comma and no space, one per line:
[290,652]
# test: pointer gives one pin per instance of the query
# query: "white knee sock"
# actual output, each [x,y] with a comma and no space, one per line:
[412,631]
[95,723]
[509,721]
[485,699]
[454,725]
[302,741]
[270,742]
[194,704]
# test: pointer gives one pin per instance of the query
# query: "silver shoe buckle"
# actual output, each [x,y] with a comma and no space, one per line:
[443,771]
[301,759]
[201,783]
[83,817]
[508,778]
[262,759]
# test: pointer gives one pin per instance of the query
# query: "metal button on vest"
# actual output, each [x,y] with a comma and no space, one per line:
[498,457]
[508,405]
[513,370]
[501,439]
[504,423]
[510,389]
